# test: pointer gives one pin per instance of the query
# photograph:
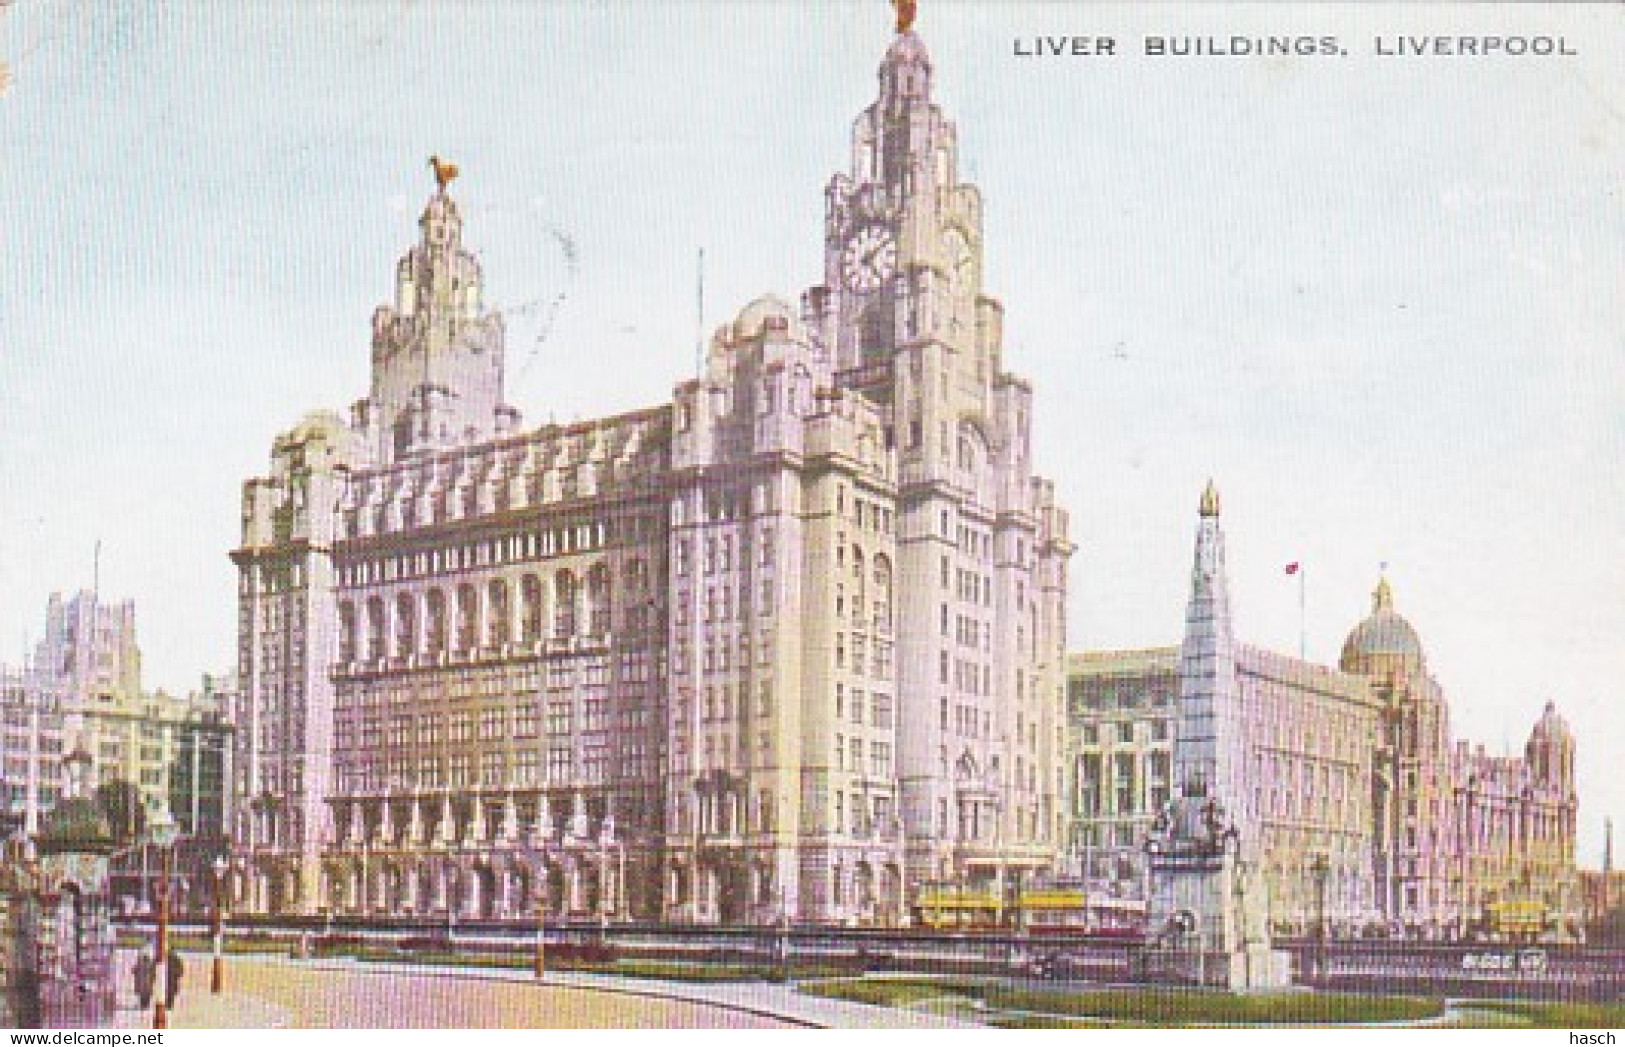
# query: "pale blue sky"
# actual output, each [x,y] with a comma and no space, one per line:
[1379,300]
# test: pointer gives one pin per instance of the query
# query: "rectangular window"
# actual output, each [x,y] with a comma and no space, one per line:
[492,768]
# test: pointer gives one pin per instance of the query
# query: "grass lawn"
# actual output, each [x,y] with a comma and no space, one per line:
[1036,1008]
[1544,1015]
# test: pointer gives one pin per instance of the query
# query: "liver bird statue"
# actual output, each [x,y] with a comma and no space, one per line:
[444,172]
[905,14]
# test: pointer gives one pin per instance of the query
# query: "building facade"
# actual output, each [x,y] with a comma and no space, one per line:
[1362,809]
[83,688]
[787,645]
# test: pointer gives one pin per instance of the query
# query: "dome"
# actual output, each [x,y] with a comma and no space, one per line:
[440,208]
[320,425]
[767,313]
[908,48]
[1384,631]
[906,72]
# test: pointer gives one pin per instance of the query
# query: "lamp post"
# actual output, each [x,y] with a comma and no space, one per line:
[607,840]
[538,847]
[217,972]
[783,944]
[164,831]
[1320,870]
[603,890]
[1243,869]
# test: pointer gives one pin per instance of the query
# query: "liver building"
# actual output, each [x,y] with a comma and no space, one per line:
[788,645]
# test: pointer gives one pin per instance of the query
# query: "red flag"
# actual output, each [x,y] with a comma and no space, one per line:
[1292,568]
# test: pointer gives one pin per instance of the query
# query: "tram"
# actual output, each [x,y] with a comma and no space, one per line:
[1057,909]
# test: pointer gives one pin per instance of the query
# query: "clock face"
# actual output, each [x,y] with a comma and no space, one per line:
[960,259]
[869,259]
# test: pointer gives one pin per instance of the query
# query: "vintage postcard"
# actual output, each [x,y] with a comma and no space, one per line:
[926,514]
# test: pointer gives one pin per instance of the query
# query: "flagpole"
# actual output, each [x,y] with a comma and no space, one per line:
[1303,627]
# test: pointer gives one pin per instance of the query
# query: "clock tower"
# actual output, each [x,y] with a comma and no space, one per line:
[901,310]
[903,321]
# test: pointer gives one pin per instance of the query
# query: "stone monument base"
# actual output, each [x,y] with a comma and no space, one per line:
[1257,968]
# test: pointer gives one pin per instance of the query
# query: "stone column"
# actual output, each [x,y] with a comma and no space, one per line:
[505,893]
[573,886]
[414,827]
[409,889]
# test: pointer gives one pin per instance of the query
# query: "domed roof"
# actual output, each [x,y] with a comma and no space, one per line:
[907,47]
[1384,631]
[767,313]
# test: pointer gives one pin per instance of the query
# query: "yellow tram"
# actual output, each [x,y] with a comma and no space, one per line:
[1059,909]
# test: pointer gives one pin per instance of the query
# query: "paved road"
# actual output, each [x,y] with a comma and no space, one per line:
[273,992]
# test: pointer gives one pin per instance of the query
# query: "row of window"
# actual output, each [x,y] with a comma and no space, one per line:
[719,605]
[496,724]
[591,761]
[471,499]
[1123,732]
[868,515]
[718,656]
[589,673]
[879,707]
[859,663]
[870,815]
[968,677]
[430,623]
[1094,693]
[849,753]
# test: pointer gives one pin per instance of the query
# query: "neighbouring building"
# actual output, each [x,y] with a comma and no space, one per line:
[787,645]
[83,687]
[1363,810]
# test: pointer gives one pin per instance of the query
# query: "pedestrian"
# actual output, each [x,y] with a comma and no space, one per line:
[146,975]
[174,969]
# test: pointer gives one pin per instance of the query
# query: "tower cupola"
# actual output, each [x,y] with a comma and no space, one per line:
[437,351]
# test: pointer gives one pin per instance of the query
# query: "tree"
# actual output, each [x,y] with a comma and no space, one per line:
[120,802]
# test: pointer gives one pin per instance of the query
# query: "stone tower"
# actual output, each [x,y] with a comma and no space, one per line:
[1414,792]
[903,317]
[437,351]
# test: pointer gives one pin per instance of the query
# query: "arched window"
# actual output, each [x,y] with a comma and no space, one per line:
[600,602]
[375,628]
[468,615]
[435,624]
[637,597]
[499,628]
[346,632]
[564,604]
[531,611]
[406,639]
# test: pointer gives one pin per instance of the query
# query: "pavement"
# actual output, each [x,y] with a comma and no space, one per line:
[254,981]
[196,1007]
